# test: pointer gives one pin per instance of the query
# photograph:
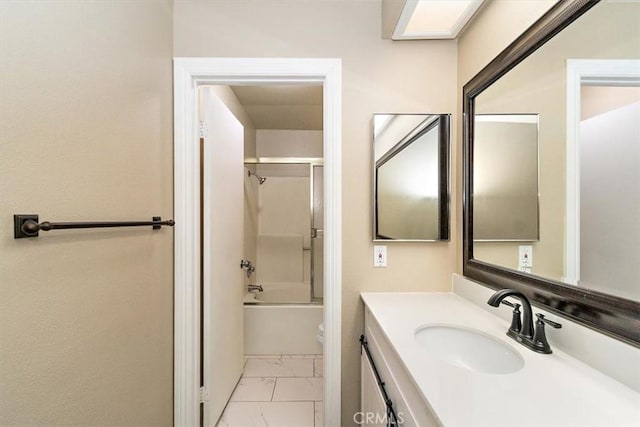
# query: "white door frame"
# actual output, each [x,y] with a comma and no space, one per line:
[189,74]
[610,72]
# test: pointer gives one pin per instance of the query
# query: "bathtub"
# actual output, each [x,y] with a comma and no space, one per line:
[282,329]
[281,293]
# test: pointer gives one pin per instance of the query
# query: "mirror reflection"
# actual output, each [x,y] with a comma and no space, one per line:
[505,177]
[584,87]
[609,192]
[410,177]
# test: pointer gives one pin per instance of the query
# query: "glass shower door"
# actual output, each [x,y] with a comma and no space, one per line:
[317,234]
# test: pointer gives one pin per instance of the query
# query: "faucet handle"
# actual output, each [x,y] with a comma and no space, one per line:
[540,343]
[547,321]
[516,322]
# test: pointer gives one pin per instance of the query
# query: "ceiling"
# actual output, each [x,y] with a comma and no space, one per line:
[291,107]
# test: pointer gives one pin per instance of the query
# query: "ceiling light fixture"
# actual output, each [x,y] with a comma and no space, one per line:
[434,19]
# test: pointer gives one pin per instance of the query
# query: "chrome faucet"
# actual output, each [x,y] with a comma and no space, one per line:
[252,288]
[523,331]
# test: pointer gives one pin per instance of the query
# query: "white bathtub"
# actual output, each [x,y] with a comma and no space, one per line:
[282,329]
[281,293]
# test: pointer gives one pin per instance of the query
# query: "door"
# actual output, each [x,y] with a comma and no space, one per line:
[609,164]
[222,251]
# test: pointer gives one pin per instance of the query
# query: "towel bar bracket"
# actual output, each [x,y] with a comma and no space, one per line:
[21,226]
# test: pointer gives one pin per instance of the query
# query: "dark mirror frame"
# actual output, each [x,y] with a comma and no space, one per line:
[443,122]
[610,315]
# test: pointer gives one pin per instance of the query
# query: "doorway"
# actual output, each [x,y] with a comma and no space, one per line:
[189,75]
[600,92]
[270,299]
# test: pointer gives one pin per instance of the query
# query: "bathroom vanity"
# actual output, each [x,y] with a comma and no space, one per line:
[430,351]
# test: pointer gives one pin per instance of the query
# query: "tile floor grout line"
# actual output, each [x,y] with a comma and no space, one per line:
[275,383]
[280,376]
[296,404]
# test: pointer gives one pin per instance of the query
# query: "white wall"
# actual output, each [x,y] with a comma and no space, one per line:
[285,182]
[610,202]
[284,212]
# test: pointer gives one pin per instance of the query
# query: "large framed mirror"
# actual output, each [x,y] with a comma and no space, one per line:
[411,177]
[577,69]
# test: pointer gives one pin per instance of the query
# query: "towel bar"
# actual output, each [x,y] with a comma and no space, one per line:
[28,226]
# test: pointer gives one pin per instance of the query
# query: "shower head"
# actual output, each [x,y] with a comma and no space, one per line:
[260,179]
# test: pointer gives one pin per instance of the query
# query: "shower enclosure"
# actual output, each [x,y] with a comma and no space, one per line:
[284,232]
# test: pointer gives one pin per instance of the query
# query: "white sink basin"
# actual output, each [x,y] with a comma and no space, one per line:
[469,349]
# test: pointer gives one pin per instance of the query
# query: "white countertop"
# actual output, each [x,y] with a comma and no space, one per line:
[550,390]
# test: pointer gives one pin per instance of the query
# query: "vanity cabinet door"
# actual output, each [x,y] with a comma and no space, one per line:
[372,407]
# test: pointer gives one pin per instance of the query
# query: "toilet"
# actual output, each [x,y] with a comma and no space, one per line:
[320,333]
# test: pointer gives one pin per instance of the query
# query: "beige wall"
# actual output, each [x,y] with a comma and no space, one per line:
[86,316]
[378,76]
[289,143]
[505,179]
[85,133]
[595,100]
[226,94]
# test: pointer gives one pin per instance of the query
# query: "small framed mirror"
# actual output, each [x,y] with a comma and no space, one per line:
[411,177]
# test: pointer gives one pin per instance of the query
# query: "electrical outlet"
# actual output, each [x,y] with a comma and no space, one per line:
[380,256]
[525,256]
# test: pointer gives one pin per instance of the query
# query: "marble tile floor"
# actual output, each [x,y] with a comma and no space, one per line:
[277,391]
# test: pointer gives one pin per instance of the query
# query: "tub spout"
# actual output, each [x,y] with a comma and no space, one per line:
[253,288]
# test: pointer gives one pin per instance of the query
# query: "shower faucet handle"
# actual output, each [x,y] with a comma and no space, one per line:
[250,270]
[246,264]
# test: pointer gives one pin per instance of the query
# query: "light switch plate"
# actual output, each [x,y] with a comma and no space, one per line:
[380,256]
